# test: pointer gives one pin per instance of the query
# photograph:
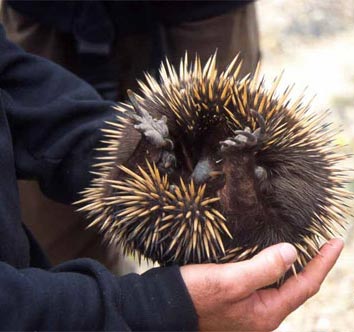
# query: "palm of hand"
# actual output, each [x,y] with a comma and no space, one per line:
[231,297]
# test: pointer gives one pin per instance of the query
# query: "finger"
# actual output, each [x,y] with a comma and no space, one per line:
[262,270]
[310,279]
[296,290]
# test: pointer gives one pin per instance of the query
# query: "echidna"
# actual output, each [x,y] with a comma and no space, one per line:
[208,167]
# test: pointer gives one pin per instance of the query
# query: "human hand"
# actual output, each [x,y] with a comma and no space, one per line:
[229,297]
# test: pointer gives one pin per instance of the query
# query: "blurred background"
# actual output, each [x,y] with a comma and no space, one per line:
[313,42]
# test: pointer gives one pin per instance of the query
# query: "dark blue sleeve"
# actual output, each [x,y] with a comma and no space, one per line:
[54,119]
[82,295]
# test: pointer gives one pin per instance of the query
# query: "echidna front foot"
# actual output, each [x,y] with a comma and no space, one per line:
[155,130]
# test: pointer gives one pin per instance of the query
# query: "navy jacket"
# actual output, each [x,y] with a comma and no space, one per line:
[98,21]
[49,123]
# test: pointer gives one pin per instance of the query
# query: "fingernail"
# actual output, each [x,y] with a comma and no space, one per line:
[288,252]
[336,240]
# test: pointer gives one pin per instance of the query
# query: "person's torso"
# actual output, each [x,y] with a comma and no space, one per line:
[14,244]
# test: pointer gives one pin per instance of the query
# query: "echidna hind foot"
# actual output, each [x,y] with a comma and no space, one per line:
[245,138]
[210,167]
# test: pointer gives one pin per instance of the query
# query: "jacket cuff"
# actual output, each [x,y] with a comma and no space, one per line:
[158,300]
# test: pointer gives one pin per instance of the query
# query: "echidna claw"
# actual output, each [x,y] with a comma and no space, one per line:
[170,142]
[259,132]
[135,104]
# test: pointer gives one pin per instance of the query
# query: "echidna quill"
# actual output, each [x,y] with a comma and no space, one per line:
[207,167]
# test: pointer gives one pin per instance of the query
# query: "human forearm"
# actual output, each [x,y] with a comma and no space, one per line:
[83,295]
[158,301]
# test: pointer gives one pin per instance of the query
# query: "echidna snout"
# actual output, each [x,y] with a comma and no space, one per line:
[207,167]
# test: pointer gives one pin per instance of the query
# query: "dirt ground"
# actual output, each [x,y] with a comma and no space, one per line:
[313,42]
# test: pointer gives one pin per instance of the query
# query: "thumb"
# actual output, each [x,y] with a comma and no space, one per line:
[264,269]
